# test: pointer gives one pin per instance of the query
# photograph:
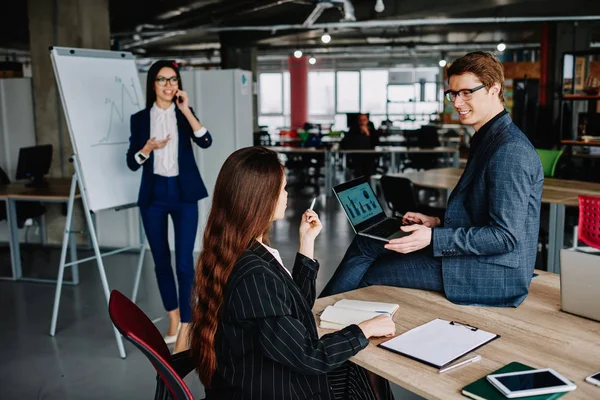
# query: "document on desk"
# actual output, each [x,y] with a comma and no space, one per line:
[439,342]
[347,312]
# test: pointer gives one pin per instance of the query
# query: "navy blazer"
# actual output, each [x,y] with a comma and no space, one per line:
[267,344]
[488,242]
[192,186]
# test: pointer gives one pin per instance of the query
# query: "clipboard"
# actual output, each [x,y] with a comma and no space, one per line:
[439,343]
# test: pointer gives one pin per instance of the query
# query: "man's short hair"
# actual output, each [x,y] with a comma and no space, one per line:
[485,66]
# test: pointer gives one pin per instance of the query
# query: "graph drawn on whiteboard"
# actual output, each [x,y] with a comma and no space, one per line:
[118,109]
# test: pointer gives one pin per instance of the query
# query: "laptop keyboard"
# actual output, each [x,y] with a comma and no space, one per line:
[385,228]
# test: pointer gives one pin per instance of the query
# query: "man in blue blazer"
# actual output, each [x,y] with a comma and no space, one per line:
[484,251]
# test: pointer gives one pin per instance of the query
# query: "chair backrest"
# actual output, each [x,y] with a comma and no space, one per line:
[136,327]
[589,221]
[428,137]
[4,179]
[399,194]
[549,160]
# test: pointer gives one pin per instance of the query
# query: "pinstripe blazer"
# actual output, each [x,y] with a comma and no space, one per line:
[488,242]
[266,342]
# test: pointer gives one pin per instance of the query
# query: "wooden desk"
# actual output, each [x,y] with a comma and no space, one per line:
[536,333]
[57,191]
[580,143]
[559,193]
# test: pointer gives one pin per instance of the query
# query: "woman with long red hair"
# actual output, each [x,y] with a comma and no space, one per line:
[253,333]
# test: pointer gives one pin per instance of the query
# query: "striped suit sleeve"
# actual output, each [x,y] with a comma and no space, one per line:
[304,274]
[264,301]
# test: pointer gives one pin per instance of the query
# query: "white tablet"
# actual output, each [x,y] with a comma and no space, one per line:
[531,383]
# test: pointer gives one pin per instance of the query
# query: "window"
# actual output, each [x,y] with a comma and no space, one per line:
[431,92]
[403,93]
[271,88]
[332,94]
[373,90]
[340,123]
[272,122]
[321,88]
[348,91]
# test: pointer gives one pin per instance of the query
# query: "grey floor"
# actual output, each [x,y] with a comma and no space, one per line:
[81,361]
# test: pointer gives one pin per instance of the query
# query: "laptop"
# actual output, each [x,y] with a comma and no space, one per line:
[580,283]
[365,212]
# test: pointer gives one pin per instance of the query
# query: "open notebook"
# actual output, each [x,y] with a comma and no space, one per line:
[347,312]
[439,342]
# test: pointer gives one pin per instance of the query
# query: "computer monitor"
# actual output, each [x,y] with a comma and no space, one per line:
[34,163]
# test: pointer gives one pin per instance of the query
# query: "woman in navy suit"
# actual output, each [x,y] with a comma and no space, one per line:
[161,142]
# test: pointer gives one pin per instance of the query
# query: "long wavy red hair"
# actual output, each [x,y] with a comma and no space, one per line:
[244,202]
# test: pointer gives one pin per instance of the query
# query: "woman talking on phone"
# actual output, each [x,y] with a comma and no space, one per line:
[253,331]
[161,143]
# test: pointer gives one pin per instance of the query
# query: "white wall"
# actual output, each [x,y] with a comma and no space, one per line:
[17,130]
[16,121]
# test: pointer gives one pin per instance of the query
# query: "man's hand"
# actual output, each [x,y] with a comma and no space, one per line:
[417,240]
[411,218]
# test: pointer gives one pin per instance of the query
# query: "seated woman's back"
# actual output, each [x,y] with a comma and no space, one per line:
[254,334]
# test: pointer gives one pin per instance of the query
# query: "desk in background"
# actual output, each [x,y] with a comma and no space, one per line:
[536,333]
[559,193]
[451,152]
[57,191]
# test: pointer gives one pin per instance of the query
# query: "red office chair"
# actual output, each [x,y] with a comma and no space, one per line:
[589,221]
[136,327]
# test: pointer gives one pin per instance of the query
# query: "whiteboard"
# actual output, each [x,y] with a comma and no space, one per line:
[100,90]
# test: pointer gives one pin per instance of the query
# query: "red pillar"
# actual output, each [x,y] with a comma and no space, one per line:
[298,90]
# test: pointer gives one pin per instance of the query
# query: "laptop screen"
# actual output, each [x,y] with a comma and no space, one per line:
[359,201]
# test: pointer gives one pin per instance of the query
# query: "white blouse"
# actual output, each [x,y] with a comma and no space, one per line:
[277,257]
[162,124]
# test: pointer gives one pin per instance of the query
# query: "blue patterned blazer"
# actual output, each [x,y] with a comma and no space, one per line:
[488,241]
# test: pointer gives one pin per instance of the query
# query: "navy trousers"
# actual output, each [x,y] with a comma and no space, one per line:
[368,263]
[167,201]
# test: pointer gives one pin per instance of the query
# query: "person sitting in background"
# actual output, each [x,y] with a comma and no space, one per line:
[361,136]
[253,332]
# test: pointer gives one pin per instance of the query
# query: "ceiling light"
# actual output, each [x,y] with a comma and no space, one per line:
[298,54]
[325,38]
[379,6]
[501,47]
[312,60]
[442,63]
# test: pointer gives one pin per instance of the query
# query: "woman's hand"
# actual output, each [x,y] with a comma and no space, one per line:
[182,101]
[381,325]
[310,227]
[153,144]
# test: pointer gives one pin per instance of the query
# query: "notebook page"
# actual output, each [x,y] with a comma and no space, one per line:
[344,316]
[438,342]
[368,306]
